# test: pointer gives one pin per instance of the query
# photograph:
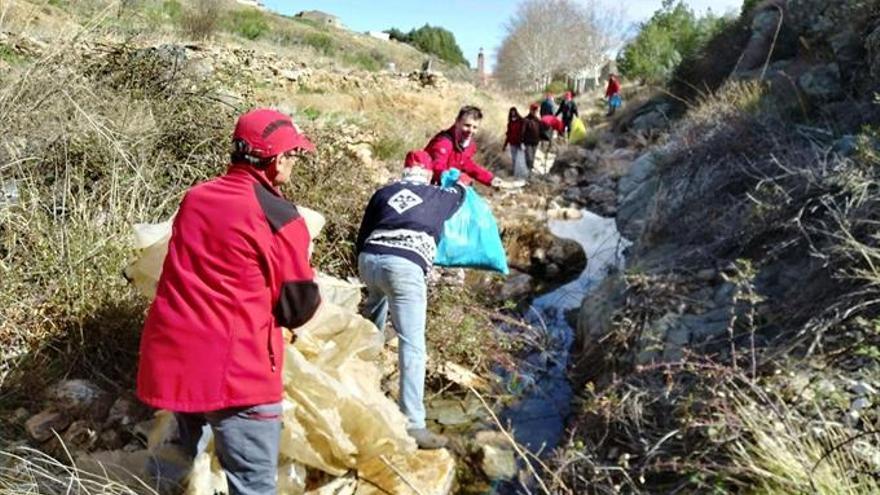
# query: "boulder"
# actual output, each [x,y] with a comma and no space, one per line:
[635,194]
[822,83]
[516,287]
[80,399]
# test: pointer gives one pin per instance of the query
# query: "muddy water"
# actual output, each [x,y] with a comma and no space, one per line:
[544,394]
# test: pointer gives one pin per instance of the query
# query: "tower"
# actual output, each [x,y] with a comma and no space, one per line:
[481,67]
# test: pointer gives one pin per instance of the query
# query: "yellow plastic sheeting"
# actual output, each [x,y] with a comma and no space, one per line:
[578,131]
[336,416]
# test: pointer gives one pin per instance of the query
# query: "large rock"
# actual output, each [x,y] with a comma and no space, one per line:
[594,322]
[80,398]
[635,194]
[822,83]
[872,43]
[764,26]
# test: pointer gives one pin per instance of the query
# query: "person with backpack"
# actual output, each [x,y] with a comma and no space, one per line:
[531,135]
[455,148]
[513,138]
[396,246]
[569,110]
[237,270]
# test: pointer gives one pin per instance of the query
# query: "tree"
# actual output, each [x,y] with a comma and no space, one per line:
[432,39]
[549,37]
[672,34]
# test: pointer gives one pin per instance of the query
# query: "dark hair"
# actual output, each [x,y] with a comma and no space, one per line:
[513,112]
[470,111]
[240,154]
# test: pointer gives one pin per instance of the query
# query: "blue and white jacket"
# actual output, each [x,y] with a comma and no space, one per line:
[406,219]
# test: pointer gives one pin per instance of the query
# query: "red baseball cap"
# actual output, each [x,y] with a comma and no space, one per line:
[533,106]
[417,158]
[269,133]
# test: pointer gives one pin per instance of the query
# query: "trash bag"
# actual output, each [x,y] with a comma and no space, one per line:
[616,101]
[336,416]
[578,131]
[470,236]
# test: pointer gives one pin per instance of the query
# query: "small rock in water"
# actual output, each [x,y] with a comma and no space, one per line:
[41,426]
[498,463]
[447,412]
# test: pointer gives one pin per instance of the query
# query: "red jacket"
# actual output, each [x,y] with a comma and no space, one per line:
[446,154]
[514,132]
[237,270]
[613,88]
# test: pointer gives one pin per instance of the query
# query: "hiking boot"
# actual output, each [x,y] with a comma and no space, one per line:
[427,440]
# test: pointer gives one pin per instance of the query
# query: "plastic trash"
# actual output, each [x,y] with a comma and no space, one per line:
[578,131]
[470,237]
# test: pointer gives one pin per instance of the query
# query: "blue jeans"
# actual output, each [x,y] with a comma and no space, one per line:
[398,284]
[246,443]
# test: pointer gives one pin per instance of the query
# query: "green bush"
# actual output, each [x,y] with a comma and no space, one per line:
[249,23]
[321,42]
[434,40]
[556,87]
[672,34]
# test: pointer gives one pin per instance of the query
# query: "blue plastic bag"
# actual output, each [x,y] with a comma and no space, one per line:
[616,101]
[470,237]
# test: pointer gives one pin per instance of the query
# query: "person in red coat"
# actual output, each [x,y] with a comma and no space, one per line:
[514,138]
[612,93]
[455,148]
[237,270]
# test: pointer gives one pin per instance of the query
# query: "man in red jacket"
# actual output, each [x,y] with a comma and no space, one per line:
[237,270]
[455,148]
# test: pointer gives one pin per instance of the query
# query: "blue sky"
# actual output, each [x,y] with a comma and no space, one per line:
[475,23]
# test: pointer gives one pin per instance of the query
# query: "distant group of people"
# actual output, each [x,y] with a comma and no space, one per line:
[543,122]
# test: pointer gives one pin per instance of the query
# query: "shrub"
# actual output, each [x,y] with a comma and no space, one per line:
[671,35]
[433,40]
[372,61]
[249,23]
[202,19]
[321,42]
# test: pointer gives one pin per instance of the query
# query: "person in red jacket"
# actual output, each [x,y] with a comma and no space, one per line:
[455,148]
[612,93]
[237,270]
[514,138]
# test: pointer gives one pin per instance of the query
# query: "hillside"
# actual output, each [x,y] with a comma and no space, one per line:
[737,352]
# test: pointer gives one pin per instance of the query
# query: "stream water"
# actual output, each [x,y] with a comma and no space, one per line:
[544,394]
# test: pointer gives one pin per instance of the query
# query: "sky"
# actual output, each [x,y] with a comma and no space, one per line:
[475,23]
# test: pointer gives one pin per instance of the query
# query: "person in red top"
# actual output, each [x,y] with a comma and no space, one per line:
[514,138]
[455,148]
[237,270]
[612,93]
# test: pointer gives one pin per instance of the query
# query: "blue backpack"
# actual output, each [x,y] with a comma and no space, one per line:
[470,237]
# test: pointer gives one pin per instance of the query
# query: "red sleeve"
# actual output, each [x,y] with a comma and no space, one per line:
[297,296]
[439,149]
[470,167]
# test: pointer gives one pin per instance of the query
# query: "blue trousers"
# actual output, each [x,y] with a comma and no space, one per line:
[246,441]
[397,284]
